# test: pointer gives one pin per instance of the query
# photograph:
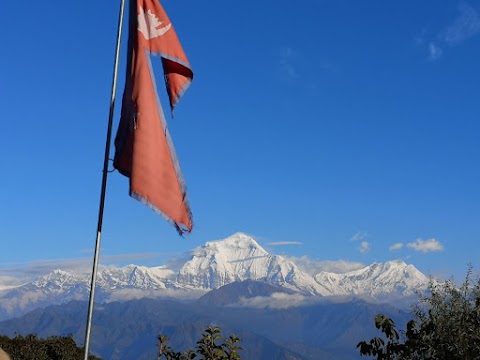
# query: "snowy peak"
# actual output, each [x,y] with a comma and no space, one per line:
[392,277]
[238,258]
[215,264]
[236,247]
[56,280]
[135,277]
[222,262]
[108,278]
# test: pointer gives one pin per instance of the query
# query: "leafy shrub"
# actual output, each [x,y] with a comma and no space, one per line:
[446,326]
[208,347]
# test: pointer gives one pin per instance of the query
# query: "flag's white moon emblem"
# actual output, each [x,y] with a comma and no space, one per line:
[148,25]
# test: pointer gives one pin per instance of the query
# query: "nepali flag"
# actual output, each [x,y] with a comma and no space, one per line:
[144,148]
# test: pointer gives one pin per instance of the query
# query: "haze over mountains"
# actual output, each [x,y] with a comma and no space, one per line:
[126,330]
[213,265]
[279,310]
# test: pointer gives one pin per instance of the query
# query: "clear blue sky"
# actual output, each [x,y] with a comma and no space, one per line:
[326,124]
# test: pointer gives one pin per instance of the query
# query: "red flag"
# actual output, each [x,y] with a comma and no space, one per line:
[144,149]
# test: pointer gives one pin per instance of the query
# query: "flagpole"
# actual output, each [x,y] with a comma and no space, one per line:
[104,183]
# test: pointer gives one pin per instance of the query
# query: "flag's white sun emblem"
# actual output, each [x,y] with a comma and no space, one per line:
[150,26]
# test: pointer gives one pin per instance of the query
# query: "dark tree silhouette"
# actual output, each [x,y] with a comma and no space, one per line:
[446,326]
[53,348]
[209,347]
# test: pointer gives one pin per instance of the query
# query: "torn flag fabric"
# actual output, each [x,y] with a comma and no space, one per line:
[144,148]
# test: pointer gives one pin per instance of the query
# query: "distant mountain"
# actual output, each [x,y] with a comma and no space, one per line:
[392,278]
[127,330]
[217,263]
[56,287]
[124,283]
[238,258]
[233,293]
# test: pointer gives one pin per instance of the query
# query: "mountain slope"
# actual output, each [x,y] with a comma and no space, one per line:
[217,263]
[395,278]
[127,330]
[233,293]
[238,258]
[60,286]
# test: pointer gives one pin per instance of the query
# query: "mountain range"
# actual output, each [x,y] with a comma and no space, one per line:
[322,329]
[211,266]
[278,308]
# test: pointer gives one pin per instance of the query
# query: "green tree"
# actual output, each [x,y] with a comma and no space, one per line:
[383,349]
[446,326]
[209,347]
[231,347]
[53,348]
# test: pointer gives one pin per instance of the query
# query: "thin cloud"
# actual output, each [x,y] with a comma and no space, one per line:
[313,267]
[132,256]
[30,270]
[364,247]
[396,246]
[359,236]
[276,301]
[176,263]
[434,51]
[429,245]
[287,62]
[465,26]
[281,243]
[33,269]
[10,281]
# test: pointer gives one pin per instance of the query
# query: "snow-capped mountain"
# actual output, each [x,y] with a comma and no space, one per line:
[238,258]
[138,277]
[113,283]
[108,279]
[215,264]
[392,277]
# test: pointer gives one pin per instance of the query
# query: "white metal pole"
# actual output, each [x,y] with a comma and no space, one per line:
[104,183]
